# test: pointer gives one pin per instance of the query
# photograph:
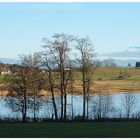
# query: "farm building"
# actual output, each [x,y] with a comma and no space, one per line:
[137,64]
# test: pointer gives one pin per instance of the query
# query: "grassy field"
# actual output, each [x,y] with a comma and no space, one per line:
[71,130]
[111,73]
[110,76]
[103,76]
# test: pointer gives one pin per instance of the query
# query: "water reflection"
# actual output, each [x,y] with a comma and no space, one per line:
[99,105]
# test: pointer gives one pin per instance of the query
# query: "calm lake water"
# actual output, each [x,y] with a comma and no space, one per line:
[110,106]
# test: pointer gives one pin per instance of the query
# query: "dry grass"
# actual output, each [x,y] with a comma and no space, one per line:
[103,77]
[114,86]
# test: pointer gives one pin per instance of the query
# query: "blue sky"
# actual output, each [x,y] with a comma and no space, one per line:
[113,27]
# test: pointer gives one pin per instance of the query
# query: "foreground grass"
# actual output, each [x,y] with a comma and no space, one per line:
[70,130]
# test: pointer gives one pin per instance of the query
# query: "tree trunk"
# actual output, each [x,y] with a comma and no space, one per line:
[65,106]
[65,95]
[34,119]
[87,104]
[53,97]
[84,93]
[54,104]
[25,109]
[72,105]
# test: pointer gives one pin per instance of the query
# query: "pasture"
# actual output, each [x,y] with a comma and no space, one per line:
[70,130]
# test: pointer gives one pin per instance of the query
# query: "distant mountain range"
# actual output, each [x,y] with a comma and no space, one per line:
[124,63]
[119,62]
[9,60]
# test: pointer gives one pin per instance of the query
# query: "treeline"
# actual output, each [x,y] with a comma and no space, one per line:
[109,62]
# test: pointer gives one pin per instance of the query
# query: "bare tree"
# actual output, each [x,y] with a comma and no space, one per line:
[71,90]
[47,62]
[70,86]
[85,48]
[129,64]
[58,49]
[23,87]
[128,103]
[97,63]
[102,104]
[17,95]
[35,82]
[109,62]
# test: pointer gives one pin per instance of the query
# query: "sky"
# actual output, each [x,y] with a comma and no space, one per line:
[114,28]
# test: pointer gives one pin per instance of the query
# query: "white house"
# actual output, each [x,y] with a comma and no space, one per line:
[5,72]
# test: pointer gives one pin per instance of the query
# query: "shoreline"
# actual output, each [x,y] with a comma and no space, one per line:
[47,94]
[104,86]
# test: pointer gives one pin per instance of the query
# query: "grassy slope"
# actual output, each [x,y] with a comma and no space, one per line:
[102,72]
[96,129]
[111,73]
[103,75]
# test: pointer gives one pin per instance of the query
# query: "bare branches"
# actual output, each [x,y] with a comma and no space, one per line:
[85,48]
[56,54]
[128,103]
[25,85]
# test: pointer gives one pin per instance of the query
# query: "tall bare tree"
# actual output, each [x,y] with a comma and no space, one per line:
[49,70]
[35,82]
[17,96]
[71,90]
[58,49]
[23,90]
[86,51]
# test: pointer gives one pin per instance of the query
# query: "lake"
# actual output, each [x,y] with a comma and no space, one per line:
[111,105]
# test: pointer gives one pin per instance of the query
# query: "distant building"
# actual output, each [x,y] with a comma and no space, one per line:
[5,72]
[137,64]
[67,69]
